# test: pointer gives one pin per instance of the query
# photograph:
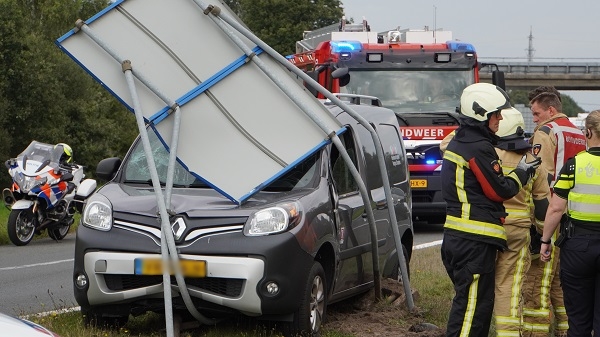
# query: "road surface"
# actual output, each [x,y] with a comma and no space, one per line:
[37,277]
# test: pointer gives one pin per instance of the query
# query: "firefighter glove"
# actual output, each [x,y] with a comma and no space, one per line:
[529,167]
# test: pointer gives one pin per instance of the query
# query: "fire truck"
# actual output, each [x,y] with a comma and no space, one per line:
[412,73]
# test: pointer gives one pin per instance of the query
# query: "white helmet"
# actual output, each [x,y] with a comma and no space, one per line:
[480,99]
[512,124]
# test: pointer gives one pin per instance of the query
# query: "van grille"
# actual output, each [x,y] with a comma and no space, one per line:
[222,286]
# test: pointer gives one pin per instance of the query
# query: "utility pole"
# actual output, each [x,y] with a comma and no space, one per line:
[530,50]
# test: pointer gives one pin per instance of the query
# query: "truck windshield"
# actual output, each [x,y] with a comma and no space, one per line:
[411,91]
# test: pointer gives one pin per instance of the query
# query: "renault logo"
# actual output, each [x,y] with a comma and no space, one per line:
[178,227]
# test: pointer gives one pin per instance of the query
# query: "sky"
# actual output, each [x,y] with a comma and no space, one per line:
[562,30]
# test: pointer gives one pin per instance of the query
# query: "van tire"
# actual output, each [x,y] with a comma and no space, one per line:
[313,305]
[396,271]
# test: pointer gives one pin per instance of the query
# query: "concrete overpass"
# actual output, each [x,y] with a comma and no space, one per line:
[571,75]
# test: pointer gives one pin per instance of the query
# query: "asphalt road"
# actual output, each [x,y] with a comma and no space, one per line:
[37,277]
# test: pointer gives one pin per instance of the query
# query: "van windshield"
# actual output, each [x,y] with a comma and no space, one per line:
[136,170]
[136,166]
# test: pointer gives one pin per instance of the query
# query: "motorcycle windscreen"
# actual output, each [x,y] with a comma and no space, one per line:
[239,130]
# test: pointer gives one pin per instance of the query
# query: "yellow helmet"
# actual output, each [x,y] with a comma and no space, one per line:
[512,124]
[67,153]
[481,99]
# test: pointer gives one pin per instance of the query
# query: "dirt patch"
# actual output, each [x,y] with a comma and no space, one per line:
[364,318]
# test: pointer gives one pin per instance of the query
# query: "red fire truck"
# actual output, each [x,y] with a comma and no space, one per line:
[421,81]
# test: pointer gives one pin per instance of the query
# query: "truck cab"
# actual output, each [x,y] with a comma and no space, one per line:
[419,74]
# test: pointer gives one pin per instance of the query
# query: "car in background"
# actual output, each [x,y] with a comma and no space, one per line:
[19,327]
[298,244]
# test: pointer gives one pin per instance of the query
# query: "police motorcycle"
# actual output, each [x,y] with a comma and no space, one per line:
[47,190]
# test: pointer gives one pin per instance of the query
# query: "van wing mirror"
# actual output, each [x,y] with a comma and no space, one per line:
[107,168]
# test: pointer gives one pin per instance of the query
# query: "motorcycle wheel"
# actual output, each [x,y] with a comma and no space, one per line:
[59,232]
[20,226]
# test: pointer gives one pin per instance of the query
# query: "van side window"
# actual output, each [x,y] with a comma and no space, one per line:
[393,149]
[394,153]
[342,177]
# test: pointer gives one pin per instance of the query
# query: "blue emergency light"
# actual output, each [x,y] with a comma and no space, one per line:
[345,46]
[460,46]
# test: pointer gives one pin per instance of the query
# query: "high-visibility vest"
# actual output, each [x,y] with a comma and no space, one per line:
[584,197]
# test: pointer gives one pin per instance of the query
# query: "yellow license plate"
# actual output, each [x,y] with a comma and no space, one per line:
[189,268]
[418,183]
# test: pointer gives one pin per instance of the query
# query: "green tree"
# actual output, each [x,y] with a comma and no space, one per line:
[44,95]
[280,23]
[570,107]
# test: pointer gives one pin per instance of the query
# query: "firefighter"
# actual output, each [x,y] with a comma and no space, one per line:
[474,187]
[577,185]
[512,264]
[555,139]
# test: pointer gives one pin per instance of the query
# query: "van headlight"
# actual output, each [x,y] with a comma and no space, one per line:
[98,213]
[273,219]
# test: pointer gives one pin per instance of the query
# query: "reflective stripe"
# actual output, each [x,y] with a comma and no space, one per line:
[471,304]
[562,326]
[587,188]
[518,213]
[508,333]
[475,227]
[536,312]
[534,327]
[508,320]
[456,159]
[560,310]
[459,179]
[515,177]
[515,292]
[565,181]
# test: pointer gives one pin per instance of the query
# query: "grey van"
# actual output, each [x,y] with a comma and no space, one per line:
[236,261]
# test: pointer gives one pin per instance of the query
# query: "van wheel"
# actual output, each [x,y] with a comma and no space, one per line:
[396,271]
[313,305]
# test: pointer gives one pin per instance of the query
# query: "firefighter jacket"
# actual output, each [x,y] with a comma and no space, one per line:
[474,186]
[579,181]
[555,141]
[530,204]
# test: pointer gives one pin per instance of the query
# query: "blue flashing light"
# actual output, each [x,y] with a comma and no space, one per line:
[430,161]
[460,46]
[345,46]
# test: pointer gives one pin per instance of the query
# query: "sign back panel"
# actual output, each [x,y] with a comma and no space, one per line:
[239,130]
